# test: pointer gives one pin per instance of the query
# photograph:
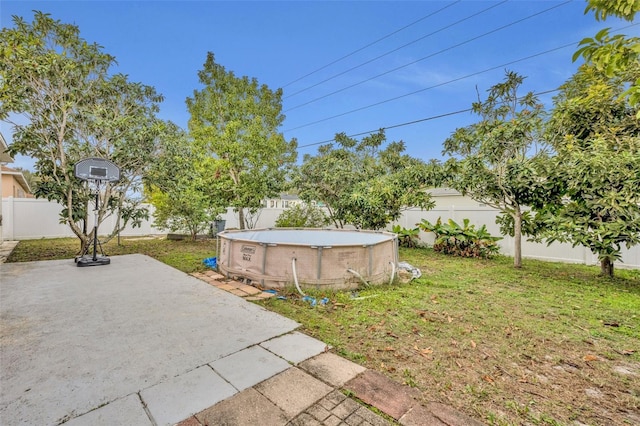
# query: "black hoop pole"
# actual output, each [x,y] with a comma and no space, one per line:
[95,223]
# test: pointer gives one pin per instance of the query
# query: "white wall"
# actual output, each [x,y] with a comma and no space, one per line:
[25,218]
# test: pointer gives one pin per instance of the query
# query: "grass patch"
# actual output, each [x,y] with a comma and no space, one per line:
[549,344]
[184,255]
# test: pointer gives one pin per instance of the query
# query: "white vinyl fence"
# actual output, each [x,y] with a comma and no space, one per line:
[30,218]
[479,216]
[27,218]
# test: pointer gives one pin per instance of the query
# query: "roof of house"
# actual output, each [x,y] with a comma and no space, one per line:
[289,197]
[4,154]
[18,176]
[444,192]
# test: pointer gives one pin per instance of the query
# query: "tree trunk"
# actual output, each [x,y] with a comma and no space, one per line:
[85,242]
[241,218]
[517,238]
[606,268]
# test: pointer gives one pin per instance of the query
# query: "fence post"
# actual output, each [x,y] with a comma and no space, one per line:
[7,218]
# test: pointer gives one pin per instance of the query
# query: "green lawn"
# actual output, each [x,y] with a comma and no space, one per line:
[548,344]
[184,255]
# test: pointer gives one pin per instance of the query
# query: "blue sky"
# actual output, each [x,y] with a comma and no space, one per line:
[348,67]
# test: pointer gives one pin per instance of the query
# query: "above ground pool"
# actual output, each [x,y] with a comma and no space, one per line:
[317,258]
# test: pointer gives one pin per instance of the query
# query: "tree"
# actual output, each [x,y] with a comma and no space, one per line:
[363,185]
[625,9]
[596,172]
[235,120]
[74,109]
[302,215]
[177,184]
[495,155]
[614,55]
[29,176]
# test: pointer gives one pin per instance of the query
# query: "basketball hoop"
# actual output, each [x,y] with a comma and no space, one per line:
[95,170]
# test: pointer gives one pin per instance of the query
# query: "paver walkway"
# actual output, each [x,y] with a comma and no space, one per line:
[6,247]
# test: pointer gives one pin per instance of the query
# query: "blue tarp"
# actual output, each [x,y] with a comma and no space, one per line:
[211,262]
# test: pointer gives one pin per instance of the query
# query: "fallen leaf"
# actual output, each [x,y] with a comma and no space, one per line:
[473,344]
[628,352]
[389,348]
[588,358]
[488,379]
[424,352]
[449,319]
[390,334]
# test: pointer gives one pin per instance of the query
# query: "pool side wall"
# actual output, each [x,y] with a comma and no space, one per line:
[275,265]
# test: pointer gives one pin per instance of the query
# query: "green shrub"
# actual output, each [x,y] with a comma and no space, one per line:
[465,241]
[409,238]
[302,216]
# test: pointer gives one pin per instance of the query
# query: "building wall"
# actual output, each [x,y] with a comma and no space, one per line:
[11,187]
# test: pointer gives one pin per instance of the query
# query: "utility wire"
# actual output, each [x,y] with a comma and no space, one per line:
[372,43]
[408,123]
[426,57]
[431,87]
[394,50]
[448,82]
[390,127]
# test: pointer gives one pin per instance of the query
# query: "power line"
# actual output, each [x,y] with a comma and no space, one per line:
[372,43]
[431,87]
[426,57]
[392,127]
[394,50]
[408,123]
[438,85]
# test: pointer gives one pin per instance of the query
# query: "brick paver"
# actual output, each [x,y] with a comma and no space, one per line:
[337,409]
[379,391]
